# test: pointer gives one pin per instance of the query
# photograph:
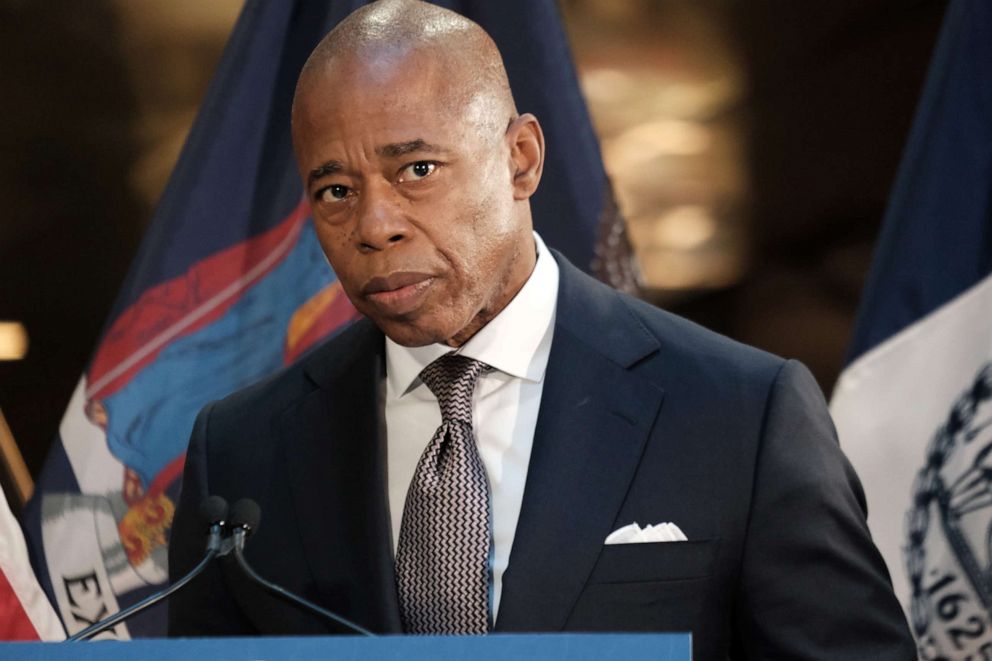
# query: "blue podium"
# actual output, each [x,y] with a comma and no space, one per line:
[515,647]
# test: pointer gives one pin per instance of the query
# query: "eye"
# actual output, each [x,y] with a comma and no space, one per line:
[417,171]
[333,193]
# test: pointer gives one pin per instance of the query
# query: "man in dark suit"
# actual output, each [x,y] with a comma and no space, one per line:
[584,411]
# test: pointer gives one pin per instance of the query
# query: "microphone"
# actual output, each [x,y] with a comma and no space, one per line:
[213,512]
[245,516]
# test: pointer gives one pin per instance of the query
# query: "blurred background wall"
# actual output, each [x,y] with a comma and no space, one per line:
[751,144]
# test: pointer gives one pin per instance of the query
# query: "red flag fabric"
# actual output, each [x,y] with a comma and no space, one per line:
[25,613]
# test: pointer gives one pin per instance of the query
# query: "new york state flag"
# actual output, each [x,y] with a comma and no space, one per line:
[230,285]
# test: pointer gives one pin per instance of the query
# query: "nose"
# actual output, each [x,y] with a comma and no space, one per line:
[382,220]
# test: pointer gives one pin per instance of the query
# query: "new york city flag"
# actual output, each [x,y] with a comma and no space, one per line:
[914,406]
[230,285]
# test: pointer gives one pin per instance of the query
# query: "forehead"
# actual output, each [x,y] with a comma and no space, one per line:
[382,89]
[351,113]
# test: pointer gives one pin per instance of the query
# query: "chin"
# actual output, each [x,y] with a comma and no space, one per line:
[408,336]
[418,336]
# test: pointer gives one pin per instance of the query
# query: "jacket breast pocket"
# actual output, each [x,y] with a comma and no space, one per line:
[660,586]
[654,561]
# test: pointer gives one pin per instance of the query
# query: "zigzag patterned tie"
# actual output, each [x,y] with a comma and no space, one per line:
[442,558]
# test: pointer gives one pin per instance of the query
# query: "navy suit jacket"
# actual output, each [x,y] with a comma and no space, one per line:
[645,417]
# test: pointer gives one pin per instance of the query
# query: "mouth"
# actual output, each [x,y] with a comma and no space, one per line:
[398,293]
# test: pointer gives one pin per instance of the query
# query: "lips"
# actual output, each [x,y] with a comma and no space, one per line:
[398,293]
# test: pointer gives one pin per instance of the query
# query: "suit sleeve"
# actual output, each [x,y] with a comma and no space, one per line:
[813,585]
[204,607]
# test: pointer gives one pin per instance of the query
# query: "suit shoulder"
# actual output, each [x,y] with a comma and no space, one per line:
[273,394]
[678,336]
[653,341]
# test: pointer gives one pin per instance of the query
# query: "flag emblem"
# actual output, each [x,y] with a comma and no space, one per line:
[951,521]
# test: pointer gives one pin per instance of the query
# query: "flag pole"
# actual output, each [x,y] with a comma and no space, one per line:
[14,466]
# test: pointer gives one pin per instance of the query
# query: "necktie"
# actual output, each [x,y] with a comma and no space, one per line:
[442,558]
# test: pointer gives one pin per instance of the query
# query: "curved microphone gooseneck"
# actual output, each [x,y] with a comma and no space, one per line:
[245,516]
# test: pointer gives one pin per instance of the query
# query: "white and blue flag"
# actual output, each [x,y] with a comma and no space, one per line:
[913,407]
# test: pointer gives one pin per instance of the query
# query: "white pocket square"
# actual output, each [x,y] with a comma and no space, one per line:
[634,534]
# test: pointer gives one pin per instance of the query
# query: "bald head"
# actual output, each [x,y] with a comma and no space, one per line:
[374,42]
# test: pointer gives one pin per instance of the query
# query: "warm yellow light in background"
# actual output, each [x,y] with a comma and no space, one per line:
[645,142]
[606,84]
[665,84]
[679,270]
[685,247]
[640,91]
[13,340]
[684,228]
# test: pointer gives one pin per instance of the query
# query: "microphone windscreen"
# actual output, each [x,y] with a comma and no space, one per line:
[213,510]
[246,513]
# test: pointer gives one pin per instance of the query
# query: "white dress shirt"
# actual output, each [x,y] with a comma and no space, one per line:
[516,343]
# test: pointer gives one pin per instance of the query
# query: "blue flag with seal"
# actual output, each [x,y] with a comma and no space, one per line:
[230,285]
[913,407]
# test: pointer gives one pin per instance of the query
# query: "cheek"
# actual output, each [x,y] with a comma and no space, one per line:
[332,236]
[475,238]
[333,241]
[476,261]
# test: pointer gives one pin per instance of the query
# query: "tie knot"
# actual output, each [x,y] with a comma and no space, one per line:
[452,379]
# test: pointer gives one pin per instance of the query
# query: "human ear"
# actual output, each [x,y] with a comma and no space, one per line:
[526,142]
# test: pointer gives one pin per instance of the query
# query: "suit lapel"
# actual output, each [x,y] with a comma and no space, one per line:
[595,417]
[336,456]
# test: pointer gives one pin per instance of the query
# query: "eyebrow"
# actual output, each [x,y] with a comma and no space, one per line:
[403,148]
[323,170]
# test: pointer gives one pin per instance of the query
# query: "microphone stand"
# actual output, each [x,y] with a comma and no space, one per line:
[239,542]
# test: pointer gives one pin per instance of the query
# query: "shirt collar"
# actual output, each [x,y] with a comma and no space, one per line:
[516,342]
